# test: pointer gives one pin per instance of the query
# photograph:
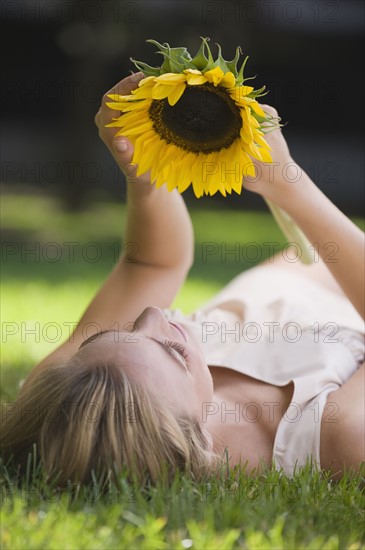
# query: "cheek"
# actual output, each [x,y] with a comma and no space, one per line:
[176,391]
[203,383]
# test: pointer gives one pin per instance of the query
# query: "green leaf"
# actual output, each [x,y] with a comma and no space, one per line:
[240,77]
[200,60]
[220,62]
[232,65]
[146,69]
[162,47]
[180,53]
[257,93]
[210,63]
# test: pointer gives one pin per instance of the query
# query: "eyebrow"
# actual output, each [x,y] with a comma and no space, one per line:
[94,337]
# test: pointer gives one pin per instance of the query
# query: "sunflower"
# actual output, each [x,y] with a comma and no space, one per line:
[194,121]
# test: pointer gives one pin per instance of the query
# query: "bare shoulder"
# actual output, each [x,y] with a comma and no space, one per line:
[343,426]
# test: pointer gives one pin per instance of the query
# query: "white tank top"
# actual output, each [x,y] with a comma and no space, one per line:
[279,328]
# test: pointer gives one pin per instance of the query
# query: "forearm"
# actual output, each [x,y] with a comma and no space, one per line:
[317,217]
[336,238]
[159,230]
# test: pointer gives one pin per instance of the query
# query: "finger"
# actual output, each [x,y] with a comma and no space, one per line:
[126,85]
[123,150]
[123,154]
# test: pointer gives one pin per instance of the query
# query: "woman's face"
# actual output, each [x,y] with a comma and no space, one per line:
[158,353]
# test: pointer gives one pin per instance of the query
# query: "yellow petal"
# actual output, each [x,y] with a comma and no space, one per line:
[246,133]
[254,105]
[140,142]
[117,97]
[209,169]
[196,170]
[241,92]
[253,122]
[214,75]
[138,147]
[260,140]
[136,105]
[151,152]
[229,80]
[117,123]
[162,177]
[265,155]
[253,150]
[115,106]
[171,78]
[134,117]
[172,182]
[142,166]
[176,93]
[196,79]
[138,129]
[155,167]
[149,80]
[171,154]
[224,185]
[248,168]
[230,165]
[192,71]
[160,91]
[143,93]
[184,177]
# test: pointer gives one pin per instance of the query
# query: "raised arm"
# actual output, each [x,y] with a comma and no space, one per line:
[158,229]
[157,249]
[339,242]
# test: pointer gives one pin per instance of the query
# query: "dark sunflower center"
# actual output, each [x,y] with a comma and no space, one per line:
[205,119]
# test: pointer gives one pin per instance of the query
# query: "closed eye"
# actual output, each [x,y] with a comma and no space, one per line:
[176,350]
[177,347]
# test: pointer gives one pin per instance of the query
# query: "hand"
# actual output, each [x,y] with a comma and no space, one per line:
[275,181]
[120,147]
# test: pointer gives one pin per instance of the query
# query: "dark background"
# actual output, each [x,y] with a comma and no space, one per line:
[59,57]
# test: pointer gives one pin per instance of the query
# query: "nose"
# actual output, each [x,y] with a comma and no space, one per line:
[151,321]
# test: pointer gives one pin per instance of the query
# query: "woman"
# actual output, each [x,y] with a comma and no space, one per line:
[270,370]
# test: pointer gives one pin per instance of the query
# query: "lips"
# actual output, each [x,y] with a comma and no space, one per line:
[179,329]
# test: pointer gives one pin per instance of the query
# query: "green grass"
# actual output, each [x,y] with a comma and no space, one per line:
[272,511]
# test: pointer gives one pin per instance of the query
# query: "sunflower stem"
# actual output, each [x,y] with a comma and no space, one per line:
[291,232]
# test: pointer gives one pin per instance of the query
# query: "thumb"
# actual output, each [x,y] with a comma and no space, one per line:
[123,150]
[123,154]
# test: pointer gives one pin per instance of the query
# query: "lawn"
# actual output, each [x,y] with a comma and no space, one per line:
[52,263]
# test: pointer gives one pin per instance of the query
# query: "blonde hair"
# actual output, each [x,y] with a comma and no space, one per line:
[94,418]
